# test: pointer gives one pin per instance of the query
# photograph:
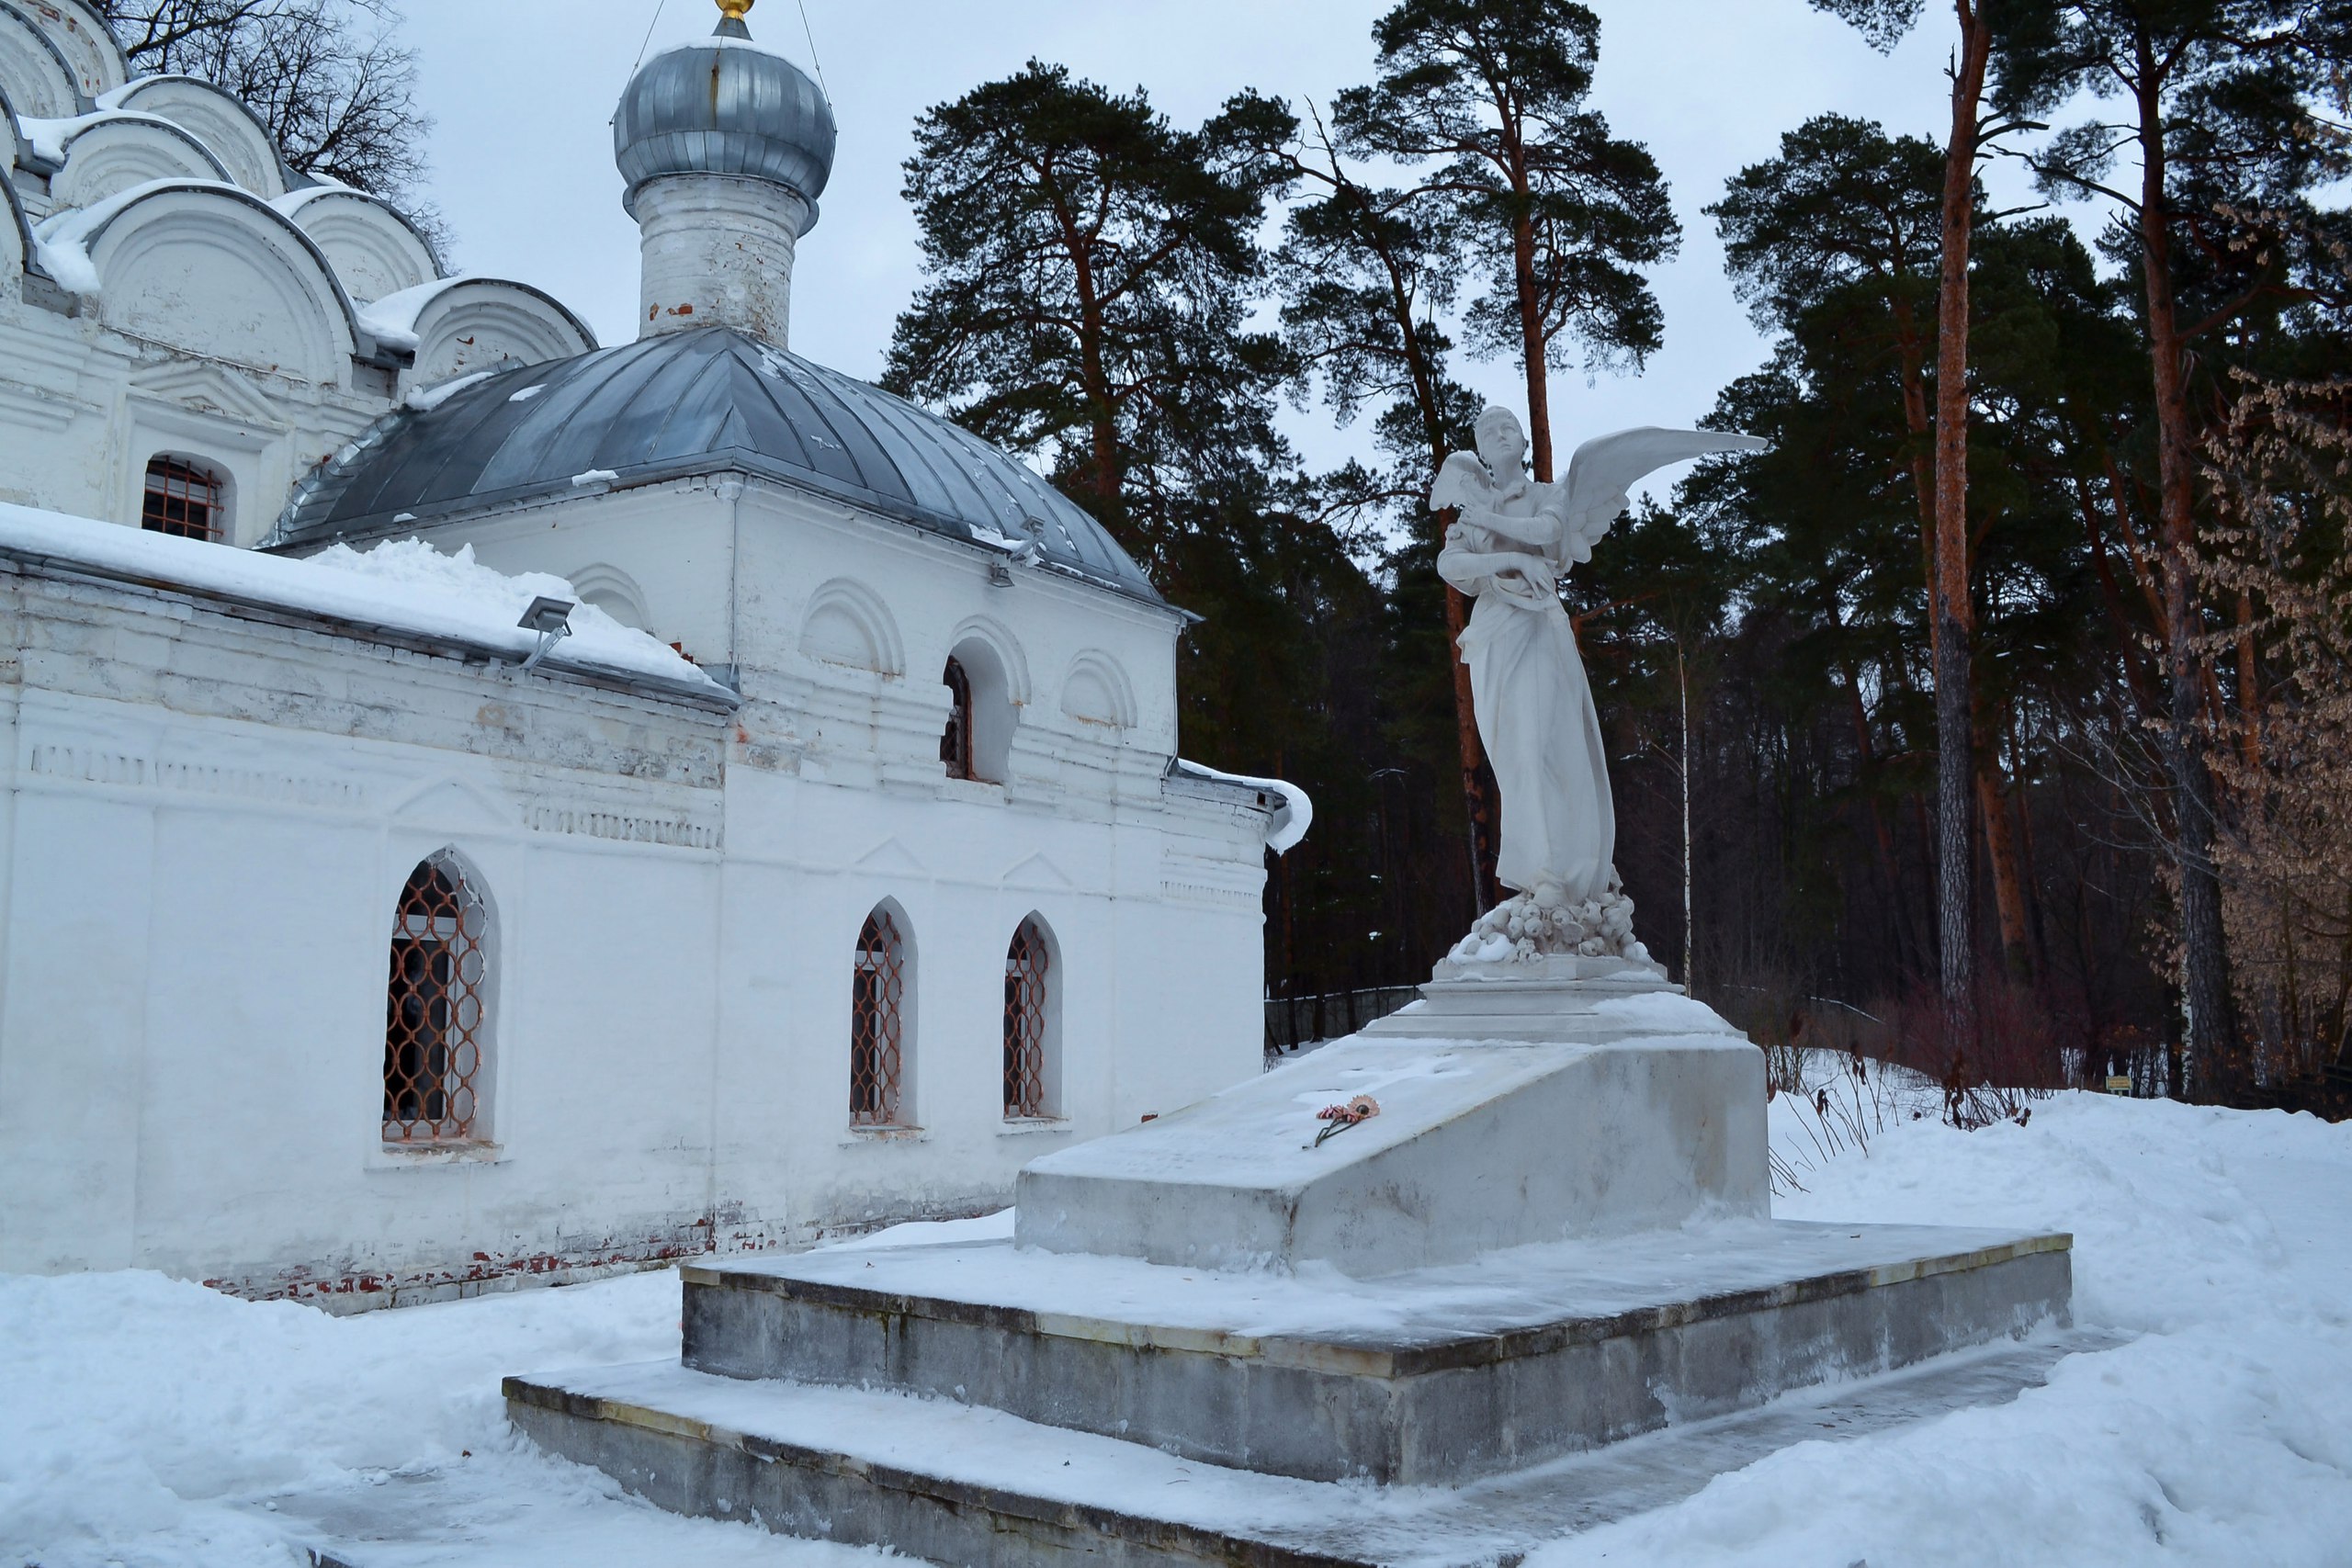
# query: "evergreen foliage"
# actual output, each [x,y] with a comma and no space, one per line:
[1765,651]
[1089,268]
[1556,214]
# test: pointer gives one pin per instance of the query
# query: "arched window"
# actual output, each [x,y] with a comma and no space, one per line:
[877,1024]
[1028,1024]
[436,1015]
[955,740]
[186,500]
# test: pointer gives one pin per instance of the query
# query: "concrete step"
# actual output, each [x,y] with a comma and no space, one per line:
[965,1484]
[1428,1377]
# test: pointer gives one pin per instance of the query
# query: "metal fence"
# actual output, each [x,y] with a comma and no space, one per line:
[1293,1022]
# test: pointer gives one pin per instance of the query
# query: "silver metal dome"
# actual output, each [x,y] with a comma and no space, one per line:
[702,402]
[724,107]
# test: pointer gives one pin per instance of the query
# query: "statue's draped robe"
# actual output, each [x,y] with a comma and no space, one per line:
[1536,720]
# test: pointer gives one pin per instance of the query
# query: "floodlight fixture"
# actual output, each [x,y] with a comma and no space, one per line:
[551,618]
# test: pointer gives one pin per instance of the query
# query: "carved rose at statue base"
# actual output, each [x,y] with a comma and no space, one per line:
[1520,930]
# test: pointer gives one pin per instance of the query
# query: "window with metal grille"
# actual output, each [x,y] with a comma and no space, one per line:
[955,740]
[183,499]
[435,1014]
[1026,999]
[877,1023]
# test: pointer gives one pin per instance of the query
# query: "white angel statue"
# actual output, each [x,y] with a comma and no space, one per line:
[1512,542]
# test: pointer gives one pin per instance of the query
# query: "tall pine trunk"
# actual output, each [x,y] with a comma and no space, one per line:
[2210,1048]
[1690,925]
[1993,801]
[1532,347]
[1954,616]
[1478,806]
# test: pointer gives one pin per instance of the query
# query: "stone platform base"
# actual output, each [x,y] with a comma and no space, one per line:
[1426,1377]
[957,1485]
[1571,1109]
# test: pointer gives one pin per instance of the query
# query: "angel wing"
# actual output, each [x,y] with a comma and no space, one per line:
[1605,470]
[1461,480]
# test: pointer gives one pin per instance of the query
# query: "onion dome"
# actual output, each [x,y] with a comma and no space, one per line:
[724,106]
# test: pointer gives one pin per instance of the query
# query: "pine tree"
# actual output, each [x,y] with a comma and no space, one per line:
[1089,272]
[1884,22]
[1559,215]
[2221,106]
[1363,273]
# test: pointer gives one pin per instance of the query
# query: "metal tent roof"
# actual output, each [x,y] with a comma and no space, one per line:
[690,403]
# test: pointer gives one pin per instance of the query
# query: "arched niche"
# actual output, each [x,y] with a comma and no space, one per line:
[375,252]
[987,630]
[1095,690]
[212,270]
[614,592]
[217,120]
[996,685]
[848,626]
[108,152]
[465,324]
[55,59]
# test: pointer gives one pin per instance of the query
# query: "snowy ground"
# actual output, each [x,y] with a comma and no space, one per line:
[149,1423]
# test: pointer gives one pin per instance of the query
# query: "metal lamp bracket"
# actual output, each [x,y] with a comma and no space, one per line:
[551,618]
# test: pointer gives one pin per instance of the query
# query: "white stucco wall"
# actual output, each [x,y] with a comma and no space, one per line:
[208,821]
[207,814]
[836,799]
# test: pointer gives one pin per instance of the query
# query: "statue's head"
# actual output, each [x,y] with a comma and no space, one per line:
[1502,444]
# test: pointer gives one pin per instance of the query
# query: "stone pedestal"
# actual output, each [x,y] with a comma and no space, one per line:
[1211,1331]
[1556,1110]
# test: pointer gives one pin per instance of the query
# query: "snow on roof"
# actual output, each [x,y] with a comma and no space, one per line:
[294,200]
[400,585]
[426,399]
[1290,819]
[394,317]
[63,237]
[51,138]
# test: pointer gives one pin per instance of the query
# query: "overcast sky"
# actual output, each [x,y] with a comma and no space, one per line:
[523,169]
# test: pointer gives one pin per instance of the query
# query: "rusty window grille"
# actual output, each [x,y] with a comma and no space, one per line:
[1025,1023]
[435,1015]
[955,740]
[182,500]
[878,1011]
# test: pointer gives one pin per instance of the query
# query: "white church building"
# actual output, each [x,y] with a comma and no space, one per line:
[816,854]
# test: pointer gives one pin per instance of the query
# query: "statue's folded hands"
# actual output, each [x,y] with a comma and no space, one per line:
[1539,529]
[1517,575]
